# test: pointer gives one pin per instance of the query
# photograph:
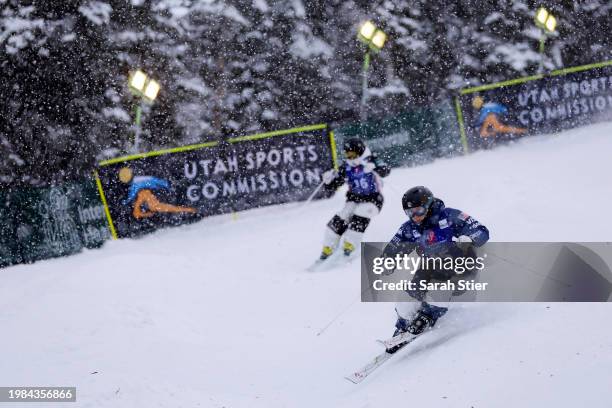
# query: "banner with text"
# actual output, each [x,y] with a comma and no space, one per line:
[46,222]
[144,192]
[510,110]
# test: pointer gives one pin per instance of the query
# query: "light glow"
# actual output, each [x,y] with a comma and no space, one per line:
[137,80]
[541,16]
[551,23]
[379,39]
[151,90]
[367,30]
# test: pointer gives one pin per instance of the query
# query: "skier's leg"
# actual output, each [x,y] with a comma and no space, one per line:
[469,274]
[405,313]
[358,223]
[416,317]
[432,311]
[335,228]
[421,276]
[427,314]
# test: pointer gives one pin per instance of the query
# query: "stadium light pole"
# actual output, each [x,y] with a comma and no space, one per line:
[145,89]
[547,24]
[374,39]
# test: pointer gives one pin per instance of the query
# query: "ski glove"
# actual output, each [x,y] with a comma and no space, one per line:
[329,176]
[465,244]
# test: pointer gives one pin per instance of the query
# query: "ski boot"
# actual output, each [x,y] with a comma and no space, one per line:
[348,248]
[401,326]
[425,317]
[326,252]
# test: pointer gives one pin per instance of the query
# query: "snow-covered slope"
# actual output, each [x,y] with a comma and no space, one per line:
[223,314]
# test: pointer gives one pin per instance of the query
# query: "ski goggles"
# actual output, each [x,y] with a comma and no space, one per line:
[420,210]
[351,155]
[416,211]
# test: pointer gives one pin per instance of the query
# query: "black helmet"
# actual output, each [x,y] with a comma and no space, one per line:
[418,197]
[354,145]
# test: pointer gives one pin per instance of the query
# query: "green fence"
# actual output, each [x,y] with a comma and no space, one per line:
[416,136]
[40,223]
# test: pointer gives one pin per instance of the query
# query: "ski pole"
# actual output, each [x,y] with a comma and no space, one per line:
[314,193]
[343,311]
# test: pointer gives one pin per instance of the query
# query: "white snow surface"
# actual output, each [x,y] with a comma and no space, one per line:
[223,314]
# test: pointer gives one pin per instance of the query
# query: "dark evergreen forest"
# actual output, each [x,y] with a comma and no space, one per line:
[239,67]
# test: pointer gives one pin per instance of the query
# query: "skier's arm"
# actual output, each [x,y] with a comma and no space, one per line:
[337,180]
[398,245]
[401,243]
[380,167]
[466,225]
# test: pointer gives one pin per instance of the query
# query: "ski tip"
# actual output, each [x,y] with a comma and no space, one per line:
[353,379]
[314,266]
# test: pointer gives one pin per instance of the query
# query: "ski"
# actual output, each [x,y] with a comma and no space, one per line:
[324,264]
[400,341]
[335,260]
[361,374]
[400,338]
[407,336]
[315,265]
[366,370]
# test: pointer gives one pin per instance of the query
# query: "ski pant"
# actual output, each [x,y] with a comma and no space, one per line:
[350,222]
[408,309]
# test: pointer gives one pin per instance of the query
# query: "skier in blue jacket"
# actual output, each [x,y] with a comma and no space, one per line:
[432,230]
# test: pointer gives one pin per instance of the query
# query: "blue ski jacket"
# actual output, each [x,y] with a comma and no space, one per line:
[436,232]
